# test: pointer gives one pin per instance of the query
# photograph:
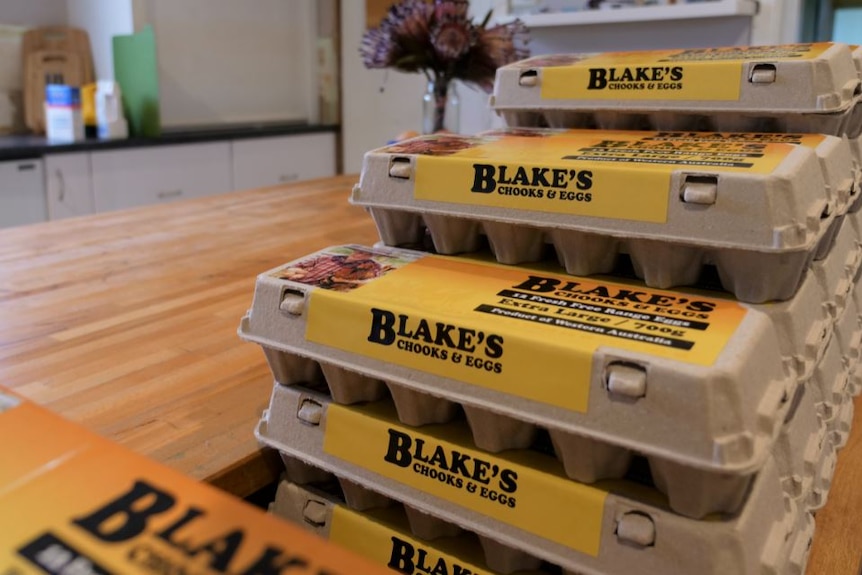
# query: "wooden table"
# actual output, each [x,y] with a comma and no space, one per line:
[126,322]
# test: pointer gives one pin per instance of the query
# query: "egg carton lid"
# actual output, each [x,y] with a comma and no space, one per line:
[816,411]
[816,78]
[474,332]
[769,198]
[384,534]
[529,506]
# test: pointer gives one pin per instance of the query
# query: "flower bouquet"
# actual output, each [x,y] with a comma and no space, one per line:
[439,39]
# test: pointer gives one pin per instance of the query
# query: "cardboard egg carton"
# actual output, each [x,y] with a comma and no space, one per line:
[523,501]
[389,532]
[75,503]
[758,212]
[836,275]
[820,408]
[809,88]
[607,393]
[848,334]
[832,387]
[856,151]
[691,491]
[840,161]
[806,452]
[393,533]
[806,322]
[856,52]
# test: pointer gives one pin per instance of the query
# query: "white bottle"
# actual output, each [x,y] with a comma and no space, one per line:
[109,111]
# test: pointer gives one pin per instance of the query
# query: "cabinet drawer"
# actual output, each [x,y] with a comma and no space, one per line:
[128,178]
[68,185]
[22,193]
[263,162]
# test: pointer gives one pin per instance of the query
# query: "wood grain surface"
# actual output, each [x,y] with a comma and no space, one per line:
[126,322]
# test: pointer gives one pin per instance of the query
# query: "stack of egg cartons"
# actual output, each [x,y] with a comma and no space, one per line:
[454,414]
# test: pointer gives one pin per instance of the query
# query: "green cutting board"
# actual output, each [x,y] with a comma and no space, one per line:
[136,71]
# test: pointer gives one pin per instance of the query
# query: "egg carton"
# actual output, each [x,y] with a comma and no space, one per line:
[831,387]
[837,274]
[401,536]
[607,528]
[806,453]
[386,532]
[821,407]
[691,491]
[848,334]
[813,88]
[760,225]
[855,145]
[840,158]
[602,391]
[805,322]
[856,52]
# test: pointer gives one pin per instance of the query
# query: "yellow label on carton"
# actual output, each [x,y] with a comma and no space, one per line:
[76,504]
[608,174]
[527,333]
[525,490]
[710,74]
[383,536]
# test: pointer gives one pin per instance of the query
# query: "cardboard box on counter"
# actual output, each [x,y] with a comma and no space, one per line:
[75,503]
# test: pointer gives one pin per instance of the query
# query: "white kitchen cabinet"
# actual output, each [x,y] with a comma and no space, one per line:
[69,186]
[260,162]
[22,193]
[159,174]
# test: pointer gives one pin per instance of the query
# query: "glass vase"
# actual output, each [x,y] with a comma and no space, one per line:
[441,108]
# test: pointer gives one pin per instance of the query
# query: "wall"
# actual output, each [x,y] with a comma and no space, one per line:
[777,22]
[103,19]
[222,61]
[32,13]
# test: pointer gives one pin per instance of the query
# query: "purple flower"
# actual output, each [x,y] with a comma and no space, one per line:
[440,40]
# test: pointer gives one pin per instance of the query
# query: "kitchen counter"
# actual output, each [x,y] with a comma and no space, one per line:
[28,146]
[126,323]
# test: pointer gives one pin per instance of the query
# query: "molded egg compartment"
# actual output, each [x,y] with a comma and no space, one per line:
[837,274]
[831,387]
[855,145]
[805,454]
[813,90]
[842,169]
[760,226]
[716,406]
[691,492]
[845,122]
[819,420]
[611,527]
[848,334]
[805,322]
[402,536]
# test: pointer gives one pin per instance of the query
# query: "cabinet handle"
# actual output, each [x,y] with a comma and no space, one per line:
[169,194]
[29,167]
[284,178]
[61,185]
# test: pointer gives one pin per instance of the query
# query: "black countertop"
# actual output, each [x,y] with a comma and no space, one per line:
[27,146]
